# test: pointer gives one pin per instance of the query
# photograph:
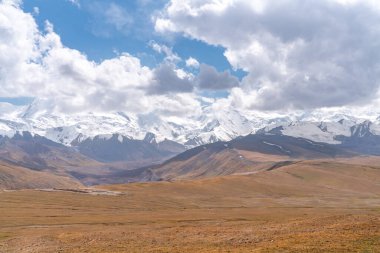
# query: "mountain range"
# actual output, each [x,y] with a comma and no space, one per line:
[213,124]
[98,148]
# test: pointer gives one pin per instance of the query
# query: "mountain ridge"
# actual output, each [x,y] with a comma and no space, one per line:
[118,147]
[211,126]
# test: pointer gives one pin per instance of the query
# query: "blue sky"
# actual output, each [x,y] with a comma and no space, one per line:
[79,28]
[83,28]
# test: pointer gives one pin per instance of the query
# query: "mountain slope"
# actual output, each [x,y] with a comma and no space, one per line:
[116,147]
[208,163]
[244,155]
[299,148]
[109,161]
[113,148]
[324,178]
[38,153]
[15,177]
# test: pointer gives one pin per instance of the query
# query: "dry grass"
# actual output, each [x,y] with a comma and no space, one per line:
[307,207]
[16,177]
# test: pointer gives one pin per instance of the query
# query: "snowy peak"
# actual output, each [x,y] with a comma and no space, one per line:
[150,138]
[361,130]
[326,132]
[212,125]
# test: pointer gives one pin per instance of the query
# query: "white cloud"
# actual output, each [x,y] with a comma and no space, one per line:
[36,10]
[18,53]
[183,105]
[192,63]
[12,2]
[37,64]
[298,54]
[323,54]
[170,56]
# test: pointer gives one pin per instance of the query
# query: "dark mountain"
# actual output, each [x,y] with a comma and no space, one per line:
[39,154]
[118,159]
[92,161]
[261,151]
[272,145]
[30,151]
[361,140]
[299,148]
[362,130]
[248,154]
[120,148]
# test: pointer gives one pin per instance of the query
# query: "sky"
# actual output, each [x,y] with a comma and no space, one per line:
[173,57]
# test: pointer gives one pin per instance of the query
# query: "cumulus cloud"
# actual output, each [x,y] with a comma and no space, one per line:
[18,53]
[166,79]
[298,54]
[192,63]
[35,63]
[182,105]
[210,79]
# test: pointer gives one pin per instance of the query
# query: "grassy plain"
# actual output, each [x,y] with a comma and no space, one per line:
[305,207]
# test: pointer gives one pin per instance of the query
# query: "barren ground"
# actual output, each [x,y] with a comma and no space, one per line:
[291,209]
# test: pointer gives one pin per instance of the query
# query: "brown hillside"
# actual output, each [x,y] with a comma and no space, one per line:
[15,177]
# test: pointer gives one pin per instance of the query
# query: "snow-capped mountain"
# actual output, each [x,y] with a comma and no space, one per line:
[213,125]
[124,147]
[326,132]
[315,131]
[66,129]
